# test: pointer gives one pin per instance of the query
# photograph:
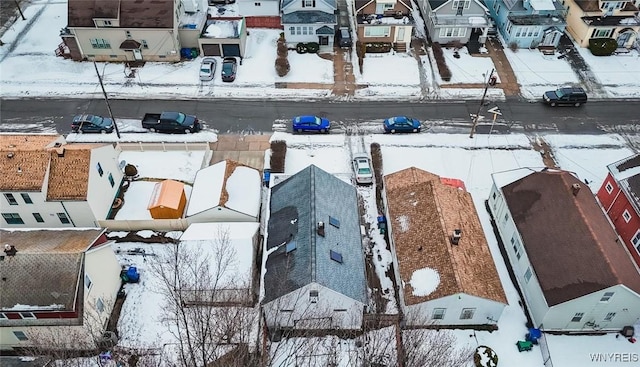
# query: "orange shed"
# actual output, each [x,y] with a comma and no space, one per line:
[168,200]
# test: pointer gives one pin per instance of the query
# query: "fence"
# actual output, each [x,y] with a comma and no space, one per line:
[544,349]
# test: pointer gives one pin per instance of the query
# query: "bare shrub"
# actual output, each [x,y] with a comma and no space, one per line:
[282,66]
[278,153]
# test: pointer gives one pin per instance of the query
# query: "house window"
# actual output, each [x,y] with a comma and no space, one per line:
[128,34]
[144,44]
[100,305]
[610,316]
[20,335]
[100,43]
[107,23]
[26,198]
[111,181]
[606,296]
[577,317]
[527,275]
[11,199]
[438,313]
[635,241]
[99,168]
[382,7]
[494,196]
[377,31]
[467,313]
[627,216]
[27,315]
[313,296]
[609,188]
[256,4]
[461,4]
[12,218]
[63,218]
[38,217]
[308,3]
[602,33]
[509,27]
[87,281]
[3,316]
[453,32]
[517,246]
[506,217]
[334,222]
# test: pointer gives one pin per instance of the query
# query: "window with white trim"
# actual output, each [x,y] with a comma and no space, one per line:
[610,316]
[377,31]
[577,317]
[438,313]
[606,296]
[100,43]
[527,275]
[602,33]
[608,187]
[461,3]
[517,246]
[27,315]
[100,305]
[87,281]
[467,313]
[20,335]
[635,241]
[453,32]
[626,216]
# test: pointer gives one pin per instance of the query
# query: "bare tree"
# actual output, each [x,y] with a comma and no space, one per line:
[205,302]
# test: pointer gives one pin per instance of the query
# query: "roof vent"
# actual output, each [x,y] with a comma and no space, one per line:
[320,229]
[10,250]
[455,236]
[60,151]
[575,188]
[10,155]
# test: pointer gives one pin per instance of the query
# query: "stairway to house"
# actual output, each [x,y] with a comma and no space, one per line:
[400,46]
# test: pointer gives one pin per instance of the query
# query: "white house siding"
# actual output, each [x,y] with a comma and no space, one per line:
[484,311]
[220,214]
[47,210]
[163,44]
[100,193]
[249,8]
[311,36]
[625,303]
[447,18]
[332,310]
[76,334]
[103,268]
[80,214]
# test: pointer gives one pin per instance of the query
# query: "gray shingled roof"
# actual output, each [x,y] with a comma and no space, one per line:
[325,30]
[47,268]
[436,3]
[309,17]
[331,3]
[297,204]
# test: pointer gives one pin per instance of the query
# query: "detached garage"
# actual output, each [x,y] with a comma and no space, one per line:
[168,200]
[224,37]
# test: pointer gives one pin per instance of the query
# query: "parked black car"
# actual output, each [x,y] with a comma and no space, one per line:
[568,96]
[91,124]
[229,68]
[171,122]
[345,37]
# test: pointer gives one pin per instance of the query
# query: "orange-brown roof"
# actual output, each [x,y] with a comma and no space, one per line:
[24,160]
[423,213]
[69,172]
[168,194]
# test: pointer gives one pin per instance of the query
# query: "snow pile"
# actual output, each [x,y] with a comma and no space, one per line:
[424,281]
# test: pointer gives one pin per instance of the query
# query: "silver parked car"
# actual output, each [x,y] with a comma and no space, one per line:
[207,69]
[362,169]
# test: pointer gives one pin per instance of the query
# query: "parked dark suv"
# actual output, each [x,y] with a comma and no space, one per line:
[344,37]
[565,96]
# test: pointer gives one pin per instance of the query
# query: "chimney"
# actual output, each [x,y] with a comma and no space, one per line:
[455,237]
[321,229]
[575,188]
[60,151]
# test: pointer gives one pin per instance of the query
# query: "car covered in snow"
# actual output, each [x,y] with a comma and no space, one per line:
[362,169]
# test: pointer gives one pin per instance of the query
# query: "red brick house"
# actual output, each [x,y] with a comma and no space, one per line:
[620,199]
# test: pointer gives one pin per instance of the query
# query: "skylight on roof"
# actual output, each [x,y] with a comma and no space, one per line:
[291,246]
[334,222]
[335,256]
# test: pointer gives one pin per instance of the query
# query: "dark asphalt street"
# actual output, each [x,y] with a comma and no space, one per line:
[241,116]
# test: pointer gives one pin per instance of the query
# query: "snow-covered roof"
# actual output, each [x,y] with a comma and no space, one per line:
[542,5]
[236,242]
[228,184]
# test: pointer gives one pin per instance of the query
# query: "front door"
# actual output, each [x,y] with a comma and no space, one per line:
[400,34]
[137,55]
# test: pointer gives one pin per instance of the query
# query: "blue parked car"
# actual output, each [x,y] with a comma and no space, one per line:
[401,124]
[310,123]
[91,124]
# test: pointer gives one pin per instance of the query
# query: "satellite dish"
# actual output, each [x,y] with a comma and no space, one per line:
[122,164]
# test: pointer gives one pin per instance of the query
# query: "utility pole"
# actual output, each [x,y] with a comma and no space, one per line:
[19,10]
[484,95]
[115,125]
